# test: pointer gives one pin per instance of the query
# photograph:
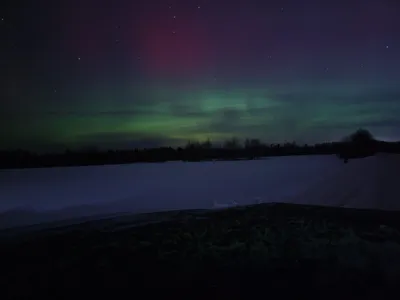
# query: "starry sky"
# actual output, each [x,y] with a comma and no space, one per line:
[145,73]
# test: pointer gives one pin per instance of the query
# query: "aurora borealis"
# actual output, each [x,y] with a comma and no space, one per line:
[124,73]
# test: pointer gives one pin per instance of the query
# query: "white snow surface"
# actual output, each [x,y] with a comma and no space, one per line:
[29,196]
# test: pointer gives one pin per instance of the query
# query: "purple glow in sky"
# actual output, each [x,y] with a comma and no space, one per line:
[123,73]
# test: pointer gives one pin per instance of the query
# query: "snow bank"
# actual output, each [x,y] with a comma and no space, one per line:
[57,193]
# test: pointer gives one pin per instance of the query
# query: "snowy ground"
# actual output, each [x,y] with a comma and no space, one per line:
[35,195]
[367,183]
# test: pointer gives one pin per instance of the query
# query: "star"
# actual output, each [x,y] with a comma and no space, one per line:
[387,47]
[174,32]
[2,19]
[282,9]
[198,6]
[174,17]
[79,58]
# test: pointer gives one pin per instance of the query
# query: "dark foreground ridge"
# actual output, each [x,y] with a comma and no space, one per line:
[273,249]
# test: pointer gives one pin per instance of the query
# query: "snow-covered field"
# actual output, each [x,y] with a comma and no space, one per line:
[34,195]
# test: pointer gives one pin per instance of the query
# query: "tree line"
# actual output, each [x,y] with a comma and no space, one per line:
[359,144]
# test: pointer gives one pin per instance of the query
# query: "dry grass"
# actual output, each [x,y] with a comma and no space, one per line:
[235,250]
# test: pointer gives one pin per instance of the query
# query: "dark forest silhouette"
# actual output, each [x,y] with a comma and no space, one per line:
[359,144]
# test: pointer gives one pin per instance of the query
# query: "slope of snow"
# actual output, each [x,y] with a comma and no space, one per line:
[57,193]
[366,183]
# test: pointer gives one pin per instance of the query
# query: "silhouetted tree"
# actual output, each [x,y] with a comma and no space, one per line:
[191,145]
[358,144]
[207,144]
[232,144]
[252,143]
[361,136]
[253,148]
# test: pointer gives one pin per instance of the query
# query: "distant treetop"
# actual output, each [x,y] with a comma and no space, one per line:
[360,136]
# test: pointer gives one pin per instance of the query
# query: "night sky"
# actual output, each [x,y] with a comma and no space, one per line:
[125,73]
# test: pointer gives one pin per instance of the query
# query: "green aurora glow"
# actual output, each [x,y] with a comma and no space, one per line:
[151,73]
[176,115]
